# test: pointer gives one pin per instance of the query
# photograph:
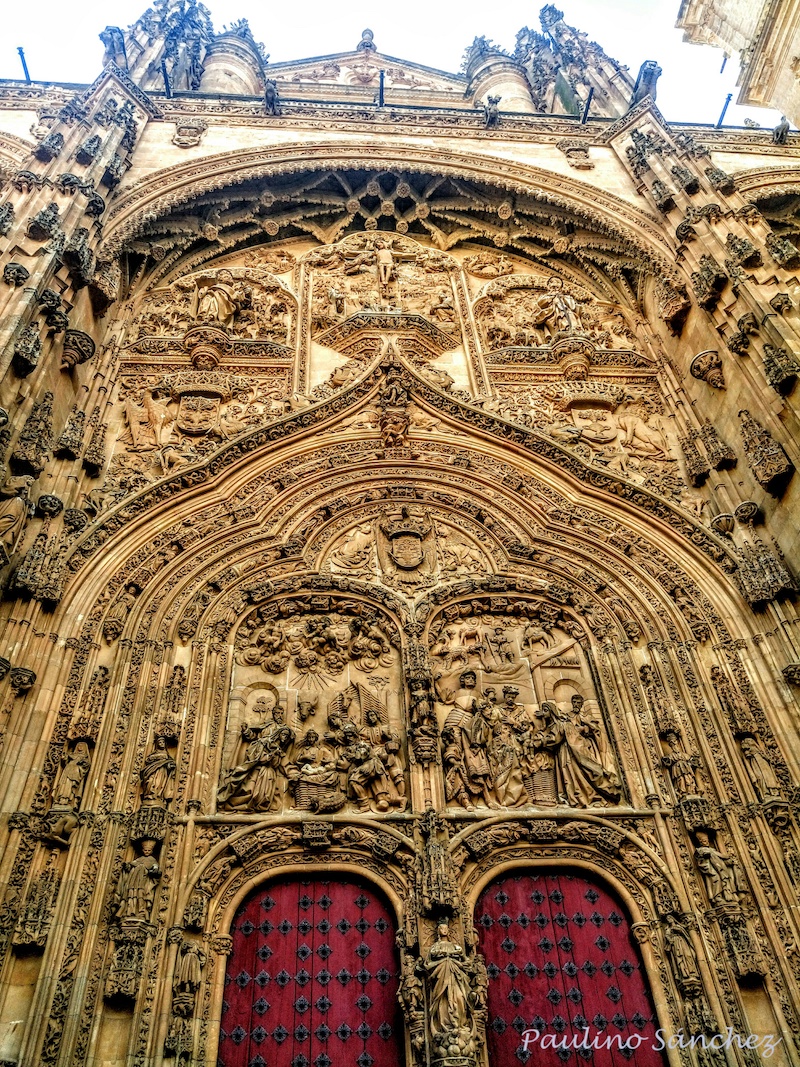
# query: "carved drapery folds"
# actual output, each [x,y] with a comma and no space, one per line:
[502,745]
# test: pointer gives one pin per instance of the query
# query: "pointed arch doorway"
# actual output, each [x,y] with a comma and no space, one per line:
[312,978]
[562,961]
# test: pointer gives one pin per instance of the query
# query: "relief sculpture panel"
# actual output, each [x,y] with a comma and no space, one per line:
[520,717]
[407,548]
[315,718]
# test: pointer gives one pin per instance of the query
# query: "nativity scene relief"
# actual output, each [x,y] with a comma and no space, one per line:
[316,719]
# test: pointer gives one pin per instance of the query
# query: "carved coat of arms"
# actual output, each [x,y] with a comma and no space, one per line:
[407,550]
[198,414]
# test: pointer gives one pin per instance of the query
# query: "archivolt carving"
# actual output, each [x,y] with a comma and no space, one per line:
[217,172]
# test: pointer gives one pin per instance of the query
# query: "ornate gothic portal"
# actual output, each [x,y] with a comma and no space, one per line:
[399,640]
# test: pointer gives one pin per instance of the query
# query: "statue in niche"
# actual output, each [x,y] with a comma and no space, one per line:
[188,977]
[411,994]
[137,886]
[762,773]
[157,775]
[681,767]
[456,996]
[118,613]
[682,955]
[722,875]
[15,510]
[251,785]
[68,787]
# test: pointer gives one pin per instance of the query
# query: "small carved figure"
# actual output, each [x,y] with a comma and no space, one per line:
[385,262]
[357,551]
[684,961]
[722,875]
[762,773]
[118,613]
[188,976]
[443,310]
[272,103]
[394,428]
[215,299]
[780,135]
[314,774]
[367,778]
[645,86]
[464,735]
[385,743]
[640,437]
[491,111]
[68,788]
[114,43]
[15,510]
[137,886]
[556,309]
[681,767]
[157,775]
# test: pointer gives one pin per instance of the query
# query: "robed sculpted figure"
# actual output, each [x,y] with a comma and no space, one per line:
[157,775]
[251,784]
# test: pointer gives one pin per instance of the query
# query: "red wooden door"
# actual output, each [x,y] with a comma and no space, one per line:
[312,979]
[562,961]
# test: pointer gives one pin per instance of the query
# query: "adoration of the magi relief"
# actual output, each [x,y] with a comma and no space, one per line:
[398,593]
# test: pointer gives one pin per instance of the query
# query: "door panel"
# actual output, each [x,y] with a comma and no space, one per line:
[312,979]
[561,960]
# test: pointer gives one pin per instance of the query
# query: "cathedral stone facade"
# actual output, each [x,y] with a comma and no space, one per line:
[399,661]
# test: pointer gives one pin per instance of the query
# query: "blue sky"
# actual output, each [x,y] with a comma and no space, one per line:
[61,44]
